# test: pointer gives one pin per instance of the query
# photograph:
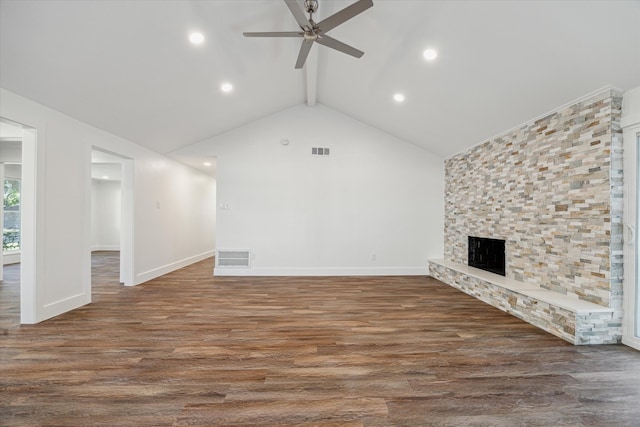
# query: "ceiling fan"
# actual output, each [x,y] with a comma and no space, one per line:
[316,32]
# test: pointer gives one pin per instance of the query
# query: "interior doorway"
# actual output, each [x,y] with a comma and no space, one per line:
[112,210]
[10,179]
[106,215]
[17,212]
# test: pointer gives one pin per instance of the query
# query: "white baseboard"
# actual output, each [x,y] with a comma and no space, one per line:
[105,248]
[168,268]
[11,258]
[330,271]
[59,307]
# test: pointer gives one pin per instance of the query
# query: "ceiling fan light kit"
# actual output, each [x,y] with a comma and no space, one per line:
[311,32]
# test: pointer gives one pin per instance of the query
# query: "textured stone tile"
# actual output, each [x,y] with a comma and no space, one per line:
[552,189]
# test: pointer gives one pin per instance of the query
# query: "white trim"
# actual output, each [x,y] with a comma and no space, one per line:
[10,258]
[105,248]
[322,271]
[631,133]
[168,268]
[601,91]
[630,224]
[32,225]
[64,305]
[127,228]
[86,265]
[127,205]
[2,260]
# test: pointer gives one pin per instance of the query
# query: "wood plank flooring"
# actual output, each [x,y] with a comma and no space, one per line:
[188,349]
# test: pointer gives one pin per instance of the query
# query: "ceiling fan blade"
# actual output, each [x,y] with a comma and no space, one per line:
[298,13]
[274,34]
[344,15]
[325,40]
[304,52]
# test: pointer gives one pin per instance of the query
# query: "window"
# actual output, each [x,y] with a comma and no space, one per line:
[11,229]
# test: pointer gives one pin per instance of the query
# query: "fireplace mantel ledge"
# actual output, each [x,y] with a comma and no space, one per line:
[575,305]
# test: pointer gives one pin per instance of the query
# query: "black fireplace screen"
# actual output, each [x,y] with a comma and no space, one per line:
[487,254]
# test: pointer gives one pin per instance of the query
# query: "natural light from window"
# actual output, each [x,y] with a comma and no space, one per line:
[11,228]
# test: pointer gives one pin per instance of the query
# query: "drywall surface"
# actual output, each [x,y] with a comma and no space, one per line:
[106,214]
[173,214]
[374,205]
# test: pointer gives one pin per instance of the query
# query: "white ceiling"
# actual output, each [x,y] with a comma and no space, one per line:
[127,66]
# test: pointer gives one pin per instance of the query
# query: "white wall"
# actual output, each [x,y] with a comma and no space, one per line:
[106,204]
[175,215]
[174,208]
[375,195]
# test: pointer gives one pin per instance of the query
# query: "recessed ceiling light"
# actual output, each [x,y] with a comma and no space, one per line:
[226,87]
[430,54]
[196,38]
[207,164]
[398,97]
[105,176]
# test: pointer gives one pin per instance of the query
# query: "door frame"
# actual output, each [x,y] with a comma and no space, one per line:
[630,320]
[29,226]
[127,276]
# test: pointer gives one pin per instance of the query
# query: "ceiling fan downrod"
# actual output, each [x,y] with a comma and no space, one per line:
[311,6]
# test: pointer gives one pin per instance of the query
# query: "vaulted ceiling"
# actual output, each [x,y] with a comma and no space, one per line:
[128,67]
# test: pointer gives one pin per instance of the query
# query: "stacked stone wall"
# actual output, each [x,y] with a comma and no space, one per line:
[595,327]
[552,189]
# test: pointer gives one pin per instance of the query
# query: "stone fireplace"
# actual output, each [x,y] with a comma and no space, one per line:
[486,254]
[553,189]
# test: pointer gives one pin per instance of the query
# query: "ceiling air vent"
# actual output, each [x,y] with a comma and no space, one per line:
[233,258]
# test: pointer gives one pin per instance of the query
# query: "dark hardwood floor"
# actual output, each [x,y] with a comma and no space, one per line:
[189,349]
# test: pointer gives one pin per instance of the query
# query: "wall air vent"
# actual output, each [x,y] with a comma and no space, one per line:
[233,258]
[318,151]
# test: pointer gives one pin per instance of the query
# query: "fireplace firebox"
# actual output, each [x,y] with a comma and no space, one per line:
[487,254]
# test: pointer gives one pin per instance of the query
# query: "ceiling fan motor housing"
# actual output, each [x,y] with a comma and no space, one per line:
[310,35]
